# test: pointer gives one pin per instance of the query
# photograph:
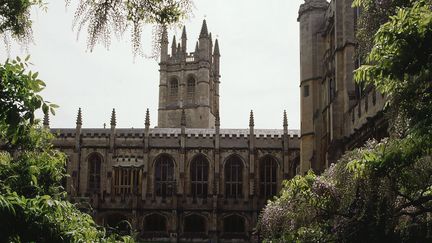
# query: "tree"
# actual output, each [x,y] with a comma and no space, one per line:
[33,206]
[101,18]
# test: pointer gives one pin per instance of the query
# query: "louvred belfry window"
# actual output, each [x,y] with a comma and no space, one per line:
[191,90]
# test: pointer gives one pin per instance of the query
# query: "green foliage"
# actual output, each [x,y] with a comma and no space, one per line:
[400,63]
[19,98]
[15,19]
[367,196]
[33,207]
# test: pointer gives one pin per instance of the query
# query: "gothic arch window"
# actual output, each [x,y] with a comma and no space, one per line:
[191,84]
[268,177]
[94,165]
[173,88]
[164,176]
[155,223]
[234,177]
[199,171]
[234,224]
[194,224]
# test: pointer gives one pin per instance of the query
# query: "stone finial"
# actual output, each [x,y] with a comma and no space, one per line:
[147,118]
[113,118]
[217,120]
[204,31]
[285,119]
[46,120]
[79,118]
[183,118]
[216,49]
[251,119]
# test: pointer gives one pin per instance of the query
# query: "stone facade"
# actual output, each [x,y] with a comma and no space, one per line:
[336,113]
[186,180]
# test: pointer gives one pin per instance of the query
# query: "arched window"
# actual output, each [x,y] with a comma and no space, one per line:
[268,177]
[194,224]
[173,88]
[94,163]
[233,177]
[199,176]
[164,177]
[191,90]
[234,224]
[155,223]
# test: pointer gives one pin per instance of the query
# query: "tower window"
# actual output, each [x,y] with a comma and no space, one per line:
[94,163]
[190,90]
[233,177]
[173,88]
[164,177]
[268,182]
[199,176]
[306,90]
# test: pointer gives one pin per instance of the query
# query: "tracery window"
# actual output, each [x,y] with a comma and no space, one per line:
[155,223]
[268,177]
[195,224]
[191,90]
[234,224]
[233,177]
[94,163]
[199,176]
[164,177]
[126,180]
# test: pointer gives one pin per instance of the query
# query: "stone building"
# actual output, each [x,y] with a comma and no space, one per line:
[336,113]
[186,180]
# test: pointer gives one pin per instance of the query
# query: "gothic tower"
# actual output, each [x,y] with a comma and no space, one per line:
[311,18]
[189,81]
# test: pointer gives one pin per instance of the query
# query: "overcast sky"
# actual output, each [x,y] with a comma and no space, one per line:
[259,45]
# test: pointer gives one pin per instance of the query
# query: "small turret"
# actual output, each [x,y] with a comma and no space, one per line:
[216,59]
[46,120]
[184,40]
[285,123]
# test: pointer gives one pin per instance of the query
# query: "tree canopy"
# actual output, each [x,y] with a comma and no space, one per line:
[101,19]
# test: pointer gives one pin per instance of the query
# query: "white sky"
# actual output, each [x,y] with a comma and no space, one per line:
[259,66]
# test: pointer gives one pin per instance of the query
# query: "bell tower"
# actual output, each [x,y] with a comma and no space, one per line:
[189,81]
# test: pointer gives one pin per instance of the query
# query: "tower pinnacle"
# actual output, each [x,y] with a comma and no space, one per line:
[147,118]
[216,48]
[204,31]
